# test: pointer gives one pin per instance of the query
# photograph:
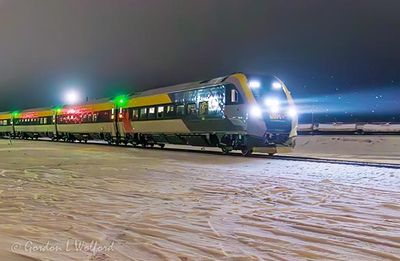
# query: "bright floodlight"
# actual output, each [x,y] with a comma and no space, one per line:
[254,84]
[72,97]
[256,112]
[292,112]
[276,85]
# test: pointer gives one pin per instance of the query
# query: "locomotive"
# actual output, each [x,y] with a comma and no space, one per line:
[234,112]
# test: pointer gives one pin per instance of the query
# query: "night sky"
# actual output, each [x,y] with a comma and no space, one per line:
[341,59]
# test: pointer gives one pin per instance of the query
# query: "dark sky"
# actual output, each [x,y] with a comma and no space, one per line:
[323,50]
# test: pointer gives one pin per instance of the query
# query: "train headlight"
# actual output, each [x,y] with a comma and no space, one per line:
[256,112]
[276,85]
[254,84]
[292,112]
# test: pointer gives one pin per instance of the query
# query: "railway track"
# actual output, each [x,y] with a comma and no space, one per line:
[294,158]
[256,155]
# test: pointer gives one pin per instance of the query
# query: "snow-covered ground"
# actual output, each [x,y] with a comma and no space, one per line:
[371,148]
[142,204]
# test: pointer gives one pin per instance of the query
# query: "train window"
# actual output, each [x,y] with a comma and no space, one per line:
[143,113]
[102,116]
[135,114]
[203,110]
[94,117]
[180,110]
[191,109]
[234,96]
[160,112]
[152,113]
[170,111]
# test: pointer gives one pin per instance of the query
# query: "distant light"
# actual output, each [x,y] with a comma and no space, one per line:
[72,97]
[121,101]
[276,85]
[255,112]
[292,112]
[254,84]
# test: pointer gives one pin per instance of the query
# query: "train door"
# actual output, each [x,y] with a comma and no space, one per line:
[13,122]
[54,121]
[122,125]
[115,132]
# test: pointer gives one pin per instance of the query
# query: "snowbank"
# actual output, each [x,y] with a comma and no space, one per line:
[374,148]
[384,127]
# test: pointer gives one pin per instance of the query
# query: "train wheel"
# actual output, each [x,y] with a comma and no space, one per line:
[225,150]
[162,145]
[247,152]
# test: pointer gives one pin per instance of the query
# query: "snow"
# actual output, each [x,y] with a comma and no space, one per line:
[337,127]
[365,148]
[160,204]
[384,127]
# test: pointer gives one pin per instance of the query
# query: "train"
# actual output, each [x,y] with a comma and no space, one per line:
[237,112]
[349,128]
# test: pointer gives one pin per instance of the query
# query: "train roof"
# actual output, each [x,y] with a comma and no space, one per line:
[186,86]
[104,103]
[5,115]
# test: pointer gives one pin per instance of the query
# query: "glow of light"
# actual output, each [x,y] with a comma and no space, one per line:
[256,112]
[72,96]
[254,84]
[121,101]
[276,85]
[272,102]
[275,109]
[213,104]
[292,112]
